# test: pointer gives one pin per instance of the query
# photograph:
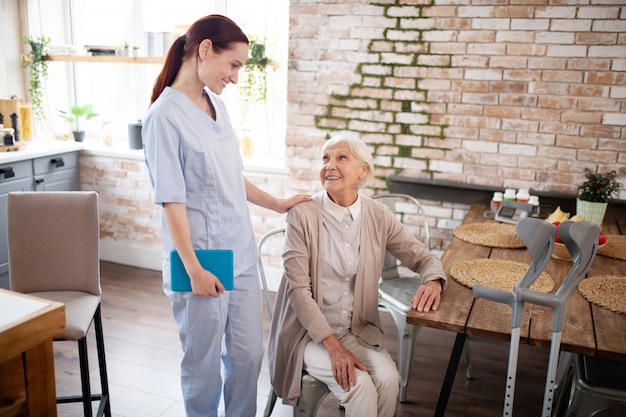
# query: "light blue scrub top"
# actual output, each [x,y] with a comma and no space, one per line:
[195,160]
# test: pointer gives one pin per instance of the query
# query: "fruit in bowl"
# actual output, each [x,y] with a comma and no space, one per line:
[561,253]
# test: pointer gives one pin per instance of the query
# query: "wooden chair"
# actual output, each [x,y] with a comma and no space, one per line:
[53,241]
[313,391]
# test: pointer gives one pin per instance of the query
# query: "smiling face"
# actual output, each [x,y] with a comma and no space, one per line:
[341,173]
[217,70]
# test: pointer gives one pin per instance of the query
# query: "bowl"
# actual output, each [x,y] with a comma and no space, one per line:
[560,252]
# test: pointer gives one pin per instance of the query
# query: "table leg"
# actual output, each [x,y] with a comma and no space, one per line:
[448,381]
[39,368]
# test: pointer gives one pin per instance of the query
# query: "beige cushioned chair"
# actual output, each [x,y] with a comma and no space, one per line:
[53,241]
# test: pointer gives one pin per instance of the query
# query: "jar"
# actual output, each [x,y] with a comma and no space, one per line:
[522,196]
[534,201]
[7,137]
[509,194]
[496,201]
[134,135]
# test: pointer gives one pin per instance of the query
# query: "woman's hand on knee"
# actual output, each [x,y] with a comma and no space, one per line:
[343,362]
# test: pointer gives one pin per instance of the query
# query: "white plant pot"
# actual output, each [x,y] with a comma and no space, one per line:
[591,211]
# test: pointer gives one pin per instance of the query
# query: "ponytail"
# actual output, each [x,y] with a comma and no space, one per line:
[173,62]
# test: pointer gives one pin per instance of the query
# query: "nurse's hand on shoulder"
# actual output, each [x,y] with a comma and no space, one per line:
[206,284]
[284,204]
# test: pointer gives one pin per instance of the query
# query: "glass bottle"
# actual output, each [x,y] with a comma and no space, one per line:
[509,194]
[522,196]
[534,201]
[496,201]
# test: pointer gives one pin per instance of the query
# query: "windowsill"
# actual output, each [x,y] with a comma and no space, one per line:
[258,169]
[119,150]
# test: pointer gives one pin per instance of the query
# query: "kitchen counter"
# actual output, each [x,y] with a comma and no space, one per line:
[37,149]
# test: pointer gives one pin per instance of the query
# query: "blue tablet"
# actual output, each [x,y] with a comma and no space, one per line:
[218,261]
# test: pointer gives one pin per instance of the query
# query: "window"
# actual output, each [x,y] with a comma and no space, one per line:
[121,92]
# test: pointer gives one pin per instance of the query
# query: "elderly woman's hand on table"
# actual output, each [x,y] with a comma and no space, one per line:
[428,296]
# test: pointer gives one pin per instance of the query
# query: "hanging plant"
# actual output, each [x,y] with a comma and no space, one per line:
[37,62]
[253,83]
[252,91]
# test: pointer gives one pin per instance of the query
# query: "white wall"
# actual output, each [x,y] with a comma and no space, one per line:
[11,73]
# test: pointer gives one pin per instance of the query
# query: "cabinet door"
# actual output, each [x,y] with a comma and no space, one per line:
[13,177]
[57,172]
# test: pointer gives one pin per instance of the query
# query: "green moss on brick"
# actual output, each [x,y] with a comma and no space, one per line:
[331,123]
[404,151]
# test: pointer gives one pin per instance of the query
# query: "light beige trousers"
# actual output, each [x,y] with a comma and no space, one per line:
[375,393]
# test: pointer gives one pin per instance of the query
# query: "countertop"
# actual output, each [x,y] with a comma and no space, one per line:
[37,149]
[42,148]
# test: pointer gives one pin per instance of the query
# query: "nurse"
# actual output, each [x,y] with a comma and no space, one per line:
[197,175]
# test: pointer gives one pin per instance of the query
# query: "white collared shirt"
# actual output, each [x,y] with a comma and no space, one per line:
[341,247]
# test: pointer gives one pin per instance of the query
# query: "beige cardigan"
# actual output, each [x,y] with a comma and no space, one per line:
[298,316]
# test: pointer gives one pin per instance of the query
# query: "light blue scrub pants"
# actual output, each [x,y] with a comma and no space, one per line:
[201,323]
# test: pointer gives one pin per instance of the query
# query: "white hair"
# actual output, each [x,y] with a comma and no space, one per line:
[359,149]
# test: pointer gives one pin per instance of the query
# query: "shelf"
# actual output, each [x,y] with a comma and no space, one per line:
[103,58]
[107,58]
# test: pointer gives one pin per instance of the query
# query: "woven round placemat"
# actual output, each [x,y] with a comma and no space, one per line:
[493,234]
[607,291]
[497,273]
[615,247]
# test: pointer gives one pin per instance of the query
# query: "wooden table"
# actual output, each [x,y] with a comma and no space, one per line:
[27,385]
[588,329]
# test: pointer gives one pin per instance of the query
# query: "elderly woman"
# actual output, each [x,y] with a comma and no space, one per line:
[326,318]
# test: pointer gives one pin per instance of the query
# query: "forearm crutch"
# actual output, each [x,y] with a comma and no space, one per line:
[538,235]
[581,240]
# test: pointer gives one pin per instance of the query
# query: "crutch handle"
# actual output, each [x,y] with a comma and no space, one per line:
[538,297]
[504,297]
[493,294]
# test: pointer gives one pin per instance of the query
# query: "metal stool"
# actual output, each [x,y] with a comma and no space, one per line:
[312,391]
[598,384]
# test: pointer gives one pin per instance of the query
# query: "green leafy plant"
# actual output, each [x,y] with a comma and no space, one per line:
[76,113]
[252,89]
[253,82]
[598,187]
[36,60]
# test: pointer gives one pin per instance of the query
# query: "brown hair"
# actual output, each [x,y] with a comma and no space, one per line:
[222,32]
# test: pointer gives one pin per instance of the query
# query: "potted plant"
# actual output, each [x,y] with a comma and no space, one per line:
[36,60]
[74,115]
[123,49]
[595,193]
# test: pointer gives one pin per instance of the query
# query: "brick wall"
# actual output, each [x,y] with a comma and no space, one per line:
[521,94]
